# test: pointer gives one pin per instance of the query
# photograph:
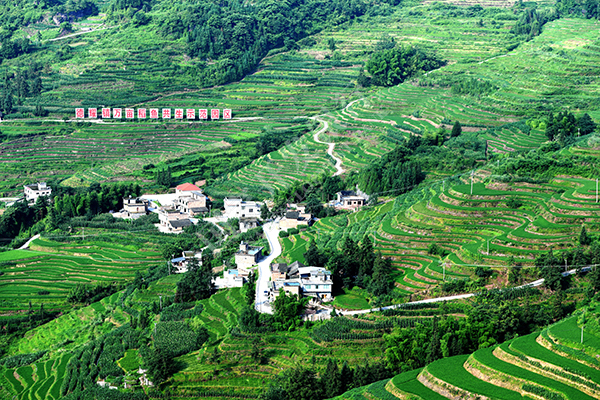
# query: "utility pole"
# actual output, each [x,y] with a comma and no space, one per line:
[443,186]
[565,264]
[581,334]
[488,247]
[472,172]
[83,229]
[160,302]
[596,190]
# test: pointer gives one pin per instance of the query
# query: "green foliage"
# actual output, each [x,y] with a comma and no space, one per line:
[160,365]
[394,66]
[456,129]
[21,359]
[287,308]
[542,392]
[392,173]
[177,338]
[196,283]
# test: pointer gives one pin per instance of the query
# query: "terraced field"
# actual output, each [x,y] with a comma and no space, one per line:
[478,228]
[57,267]
[235,374]
[548,364]
[40,380]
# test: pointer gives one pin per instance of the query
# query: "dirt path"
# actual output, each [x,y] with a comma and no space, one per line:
[80,33]
[338,161]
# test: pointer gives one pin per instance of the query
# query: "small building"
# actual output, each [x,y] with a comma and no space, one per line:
[192,203]
[32,192]
[248,223]
[186,187]
[231,278]
[235,207]
[348,199]
[247,256]
[176,226]
[293,219]
[134,207]
[279,271]
[308,281]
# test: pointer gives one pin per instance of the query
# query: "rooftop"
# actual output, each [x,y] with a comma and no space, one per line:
[187,187]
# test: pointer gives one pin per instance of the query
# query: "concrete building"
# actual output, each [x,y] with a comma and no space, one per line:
[306,281]
[247,256]
[32,192]
[293,219]
[248,223]
[231,278]
[235,207]
[186,187]
[350,200]
[192,203]
[171,220]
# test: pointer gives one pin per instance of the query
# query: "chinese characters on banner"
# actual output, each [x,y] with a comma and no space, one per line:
[155,113]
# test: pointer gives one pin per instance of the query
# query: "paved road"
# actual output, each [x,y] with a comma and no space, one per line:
[539,282]
[271,230]
[26,245]
[338,161]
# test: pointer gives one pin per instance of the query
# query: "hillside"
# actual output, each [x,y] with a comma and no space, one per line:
[551,364]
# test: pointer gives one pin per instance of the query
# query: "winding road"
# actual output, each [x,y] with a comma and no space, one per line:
[539,282]
[271,230]
[338,161]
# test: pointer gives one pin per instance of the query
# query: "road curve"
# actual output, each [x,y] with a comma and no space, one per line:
[539,282]
[338,161]
[271,230]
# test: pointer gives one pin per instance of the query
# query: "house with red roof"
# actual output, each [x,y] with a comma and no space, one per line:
[186,187]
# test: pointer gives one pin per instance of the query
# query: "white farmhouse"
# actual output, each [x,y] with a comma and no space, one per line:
[32,192]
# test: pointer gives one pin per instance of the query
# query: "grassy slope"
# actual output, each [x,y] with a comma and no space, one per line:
[498,374]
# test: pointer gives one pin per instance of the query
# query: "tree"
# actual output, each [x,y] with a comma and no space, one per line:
[331,44]
[585,124]
[584,239]
[381,284]
[456,129]
[264,212]
[8,103]
[346,377]
[196,283]
[302,383]
[394,66]
[313,256]
[288,307]
[331,381]
[160,365]
[313,205]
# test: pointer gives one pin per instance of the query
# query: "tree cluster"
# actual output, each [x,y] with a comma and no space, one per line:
[394,66]
[392,172]
[196,283]
[310,383]
[354,265]
[564,126]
